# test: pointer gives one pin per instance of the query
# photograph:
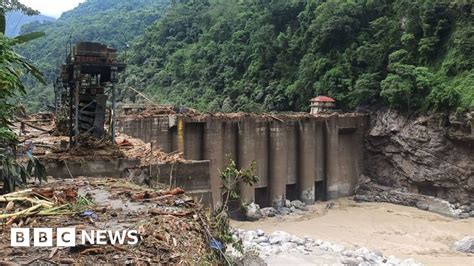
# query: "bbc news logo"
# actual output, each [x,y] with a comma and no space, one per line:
[66,237]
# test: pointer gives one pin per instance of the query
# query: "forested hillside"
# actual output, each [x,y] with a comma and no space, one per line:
[112,22]
[274,55]
[15,20]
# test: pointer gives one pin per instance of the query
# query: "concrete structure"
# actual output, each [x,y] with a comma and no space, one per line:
[297,156]
[192,176]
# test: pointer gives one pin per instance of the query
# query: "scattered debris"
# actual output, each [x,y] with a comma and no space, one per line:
[172,228]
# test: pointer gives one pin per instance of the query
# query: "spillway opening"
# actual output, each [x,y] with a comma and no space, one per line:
[319,191]
[291,192]
[262,198]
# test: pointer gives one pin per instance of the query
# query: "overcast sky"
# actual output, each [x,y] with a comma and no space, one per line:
[52,8]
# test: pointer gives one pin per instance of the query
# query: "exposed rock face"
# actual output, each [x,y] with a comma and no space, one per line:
[376,193]
[429,155]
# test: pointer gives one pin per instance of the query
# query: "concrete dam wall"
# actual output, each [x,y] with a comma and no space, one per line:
[299,156]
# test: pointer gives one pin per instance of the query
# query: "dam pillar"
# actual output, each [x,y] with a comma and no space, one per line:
[160,134]
[180,135]
[214,152]
[307,160]
[320,164]
[261,147]
[292,149]
[277,163]
[193,140]
[334,186]
[247,155]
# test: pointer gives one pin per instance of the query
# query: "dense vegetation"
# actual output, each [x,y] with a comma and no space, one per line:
[12,68]
[256,55]
[115,23]
[274,55]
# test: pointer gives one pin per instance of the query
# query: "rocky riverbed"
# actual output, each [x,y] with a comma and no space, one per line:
[254,212]
[397,232]
[317,251]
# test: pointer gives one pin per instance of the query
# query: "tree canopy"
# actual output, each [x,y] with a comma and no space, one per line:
[274,55]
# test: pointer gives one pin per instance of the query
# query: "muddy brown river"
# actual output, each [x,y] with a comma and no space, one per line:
[404,232]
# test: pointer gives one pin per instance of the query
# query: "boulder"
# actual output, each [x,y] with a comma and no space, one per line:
[349,261]
[261,239]
[269,212]
[279,237]
[422,206]
[465,245]
[249,235]
[288,246]
[297,240]
[284,211]
[253,212]
[298,204]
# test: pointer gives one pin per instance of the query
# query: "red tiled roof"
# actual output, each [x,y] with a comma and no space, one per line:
[323,99]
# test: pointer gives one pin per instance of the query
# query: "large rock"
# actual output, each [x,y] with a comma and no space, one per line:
[429,155]
[269,212]
[298,204]
[253,212]
[279,237]
[465,245]
[378,193]
[250,235]
[284,211]
[297,240]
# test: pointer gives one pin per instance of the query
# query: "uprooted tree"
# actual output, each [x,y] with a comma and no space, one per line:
[13,67]
[231,177]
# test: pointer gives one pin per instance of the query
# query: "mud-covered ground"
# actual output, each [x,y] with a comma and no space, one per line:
[404,232]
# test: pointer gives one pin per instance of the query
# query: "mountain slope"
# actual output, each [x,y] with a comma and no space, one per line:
[15,20]
[274,55]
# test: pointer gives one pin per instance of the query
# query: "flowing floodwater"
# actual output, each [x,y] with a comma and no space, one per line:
[404,232]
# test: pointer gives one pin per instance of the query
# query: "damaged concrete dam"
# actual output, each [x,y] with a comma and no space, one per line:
[297,156]
[323,157]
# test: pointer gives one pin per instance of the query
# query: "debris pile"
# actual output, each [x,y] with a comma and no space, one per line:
[50,147]
[36,202]
[171,227]
[140,110]
[148,155]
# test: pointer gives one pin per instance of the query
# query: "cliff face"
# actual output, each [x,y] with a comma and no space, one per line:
[427,155]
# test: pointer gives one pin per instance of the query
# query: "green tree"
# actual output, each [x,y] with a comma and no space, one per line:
[13,67]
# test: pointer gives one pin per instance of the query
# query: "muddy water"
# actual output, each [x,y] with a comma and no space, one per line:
[401,231]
